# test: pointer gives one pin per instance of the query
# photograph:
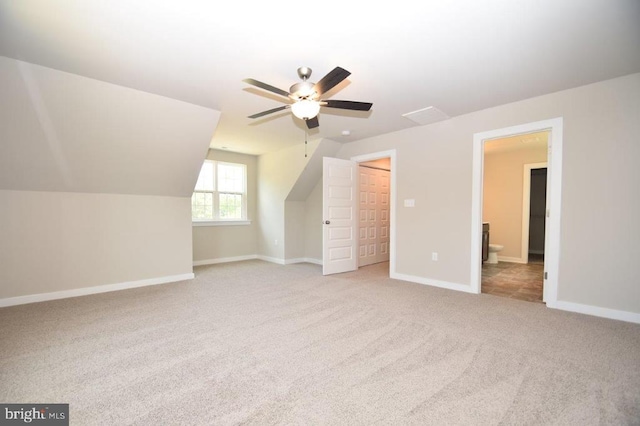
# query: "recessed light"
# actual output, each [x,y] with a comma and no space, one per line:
[346,132]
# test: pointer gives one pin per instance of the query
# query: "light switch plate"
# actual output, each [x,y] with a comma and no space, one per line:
[409,203]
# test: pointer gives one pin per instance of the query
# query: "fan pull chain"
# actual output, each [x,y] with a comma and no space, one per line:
[305,144]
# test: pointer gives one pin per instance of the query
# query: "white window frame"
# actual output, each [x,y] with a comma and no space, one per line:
[216,220]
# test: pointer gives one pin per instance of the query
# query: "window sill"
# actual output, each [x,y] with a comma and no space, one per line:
[220,223]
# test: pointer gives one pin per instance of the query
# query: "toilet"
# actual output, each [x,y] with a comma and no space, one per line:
[494,249]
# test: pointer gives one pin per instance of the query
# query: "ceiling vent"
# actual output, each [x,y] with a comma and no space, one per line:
[426,115]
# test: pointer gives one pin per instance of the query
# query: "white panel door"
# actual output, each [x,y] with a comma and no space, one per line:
[373,216]
[339,207]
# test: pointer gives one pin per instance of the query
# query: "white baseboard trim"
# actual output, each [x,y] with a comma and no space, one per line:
[224,260]
[512,259]
[597,311]
[303,260]
[433,283]
[271,259]
[85,291]
[257,256]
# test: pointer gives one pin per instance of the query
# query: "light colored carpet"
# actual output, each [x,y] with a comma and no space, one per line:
[258,343]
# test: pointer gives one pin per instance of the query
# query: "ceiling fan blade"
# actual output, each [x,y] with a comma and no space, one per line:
[331,80]
[357,106]
[270,111]
[266,86]
[312,123]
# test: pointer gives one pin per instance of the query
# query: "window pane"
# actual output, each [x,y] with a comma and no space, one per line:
[230,178]
[205,179]
[202,205]
[226,184]
[230,206]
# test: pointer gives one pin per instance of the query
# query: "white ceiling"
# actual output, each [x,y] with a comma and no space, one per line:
[459,56]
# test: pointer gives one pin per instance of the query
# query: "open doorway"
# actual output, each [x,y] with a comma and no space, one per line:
[513,215]
[553,202]
[534,211]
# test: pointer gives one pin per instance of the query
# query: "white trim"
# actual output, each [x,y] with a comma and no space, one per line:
[303,260]
[392,155]
[259,257]
[597,311]
[223,260]
[85,291]
[526,206]
[554,197]
[430,282]
[220,222]
[511,259]
[271,259]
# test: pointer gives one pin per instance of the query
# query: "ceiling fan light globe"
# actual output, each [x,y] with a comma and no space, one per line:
[305,109]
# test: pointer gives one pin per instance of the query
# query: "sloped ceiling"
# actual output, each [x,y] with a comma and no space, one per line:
[64,132]
[312,172]
[459,56]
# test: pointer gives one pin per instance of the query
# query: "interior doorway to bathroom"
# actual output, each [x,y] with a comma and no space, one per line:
[554,201]
[513,209]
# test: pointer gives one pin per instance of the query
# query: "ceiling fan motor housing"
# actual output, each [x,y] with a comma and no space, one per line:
[303,90]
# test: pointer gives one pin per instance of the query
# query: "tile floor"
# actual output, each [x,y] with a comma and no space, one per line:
[514,280]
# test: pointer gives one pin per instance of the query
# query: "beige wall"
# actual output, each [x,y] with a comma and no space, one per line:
[313,224]
[287,187]
[599,226]
[297,205]
[70,148]
[56,241]
[294,216]
[215,243]
[502,195]
[278,175]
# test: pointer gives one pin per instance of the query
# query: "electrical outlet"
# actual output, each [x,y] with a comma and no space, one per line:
[276,242]
[434,256]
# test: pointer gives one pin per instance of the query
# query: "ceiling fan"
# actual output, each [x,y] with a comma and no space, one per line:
[306,96]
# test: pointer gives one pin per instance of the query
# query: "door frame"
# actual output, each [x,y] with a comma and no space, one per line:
[526,206]
[391,154]
[554,198]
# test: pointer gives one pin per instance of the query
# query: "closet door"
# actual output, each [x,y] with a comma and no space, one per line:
[373,214]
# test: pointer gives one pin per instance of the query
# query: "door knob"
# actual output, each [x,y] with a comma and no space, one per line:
[327,222]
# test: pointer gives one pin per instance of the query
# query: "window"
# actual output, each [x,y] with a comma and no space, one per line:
[220,193]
